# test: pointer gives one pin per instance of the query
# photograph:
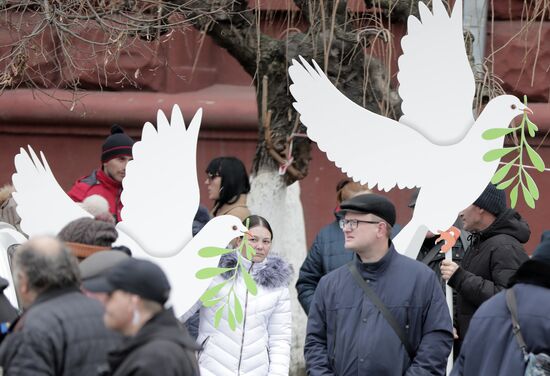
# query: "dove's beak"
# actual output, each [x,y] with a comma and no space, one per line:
[247,233]
[527,109]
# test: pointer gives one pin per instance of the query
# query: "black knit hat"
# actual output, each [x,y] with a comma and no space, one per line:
[492,200]
[118,143]
[370,203]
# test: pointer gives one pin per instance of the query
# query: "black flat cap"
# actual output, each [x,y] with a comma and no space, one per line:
[139,277]
[370,203]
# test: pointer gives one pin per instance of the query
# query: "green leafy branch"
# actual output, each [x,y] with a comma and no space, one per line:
[521,178]
[230,300]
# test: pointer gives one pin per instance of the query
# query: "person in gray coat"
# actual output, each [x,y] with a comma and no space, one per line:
[61,331]
[347,334]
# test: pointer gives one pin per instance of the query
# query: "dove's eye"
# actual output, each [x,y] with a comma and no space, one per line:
[513,106]
[234,228]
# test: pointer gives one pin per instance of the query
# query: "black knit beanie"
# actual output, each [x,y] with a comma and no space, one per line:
[118,143]
[492,200]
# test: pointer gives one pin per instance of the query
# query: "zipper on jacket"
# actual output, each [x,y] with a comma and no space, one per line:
[244,325]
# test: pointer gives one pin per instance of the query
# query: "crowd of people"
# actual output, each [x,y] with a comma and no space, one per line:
[87,307]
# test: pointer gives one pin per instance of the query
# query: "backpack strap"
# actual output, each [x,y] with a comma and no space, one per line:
[511,303]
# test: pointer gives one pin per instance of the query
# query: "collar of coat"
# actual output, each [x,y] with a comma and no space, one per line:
[532,272]
[273,271]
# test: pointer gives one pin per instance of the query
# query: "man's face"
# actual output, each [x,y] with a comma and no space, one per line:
[116,167]
[362,237]
[471,218]
[118,311]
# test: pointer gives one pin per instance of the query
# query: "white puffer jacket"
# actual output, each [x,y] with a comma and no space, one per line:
[260,346]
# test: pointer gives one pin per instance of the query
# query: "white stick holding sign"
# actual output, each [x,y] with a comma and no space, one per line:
[449,296]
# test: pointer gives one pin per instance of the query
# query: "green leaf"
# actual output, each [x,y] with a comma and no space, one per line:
[514,196]
[250,252]
[497,154]
[238,310]
[502,172]
[214,251]
[491,134]
[218,316]
[535,158]
[533,189]
[249,282]
[507,183]
[531,127]
[527,196]
[212,303]
[212,292]
[231,319]
[211,272]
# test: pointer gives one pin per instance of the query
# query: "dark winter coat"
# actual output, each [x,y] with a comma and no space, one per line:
[490,347]
[62,333]
[347,335]
[494,255]
[99,183]
[327,253]
[161,347]
[7,312]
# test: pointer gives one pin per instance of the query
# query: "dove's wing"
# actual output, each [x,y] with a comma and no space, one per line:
[436,81]
[42,204]
[161,192]
[367,147]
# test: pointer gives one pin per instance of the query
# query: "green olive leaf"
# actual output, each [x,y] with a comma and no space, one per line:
[502,172]
[527,196]
[497,154]
[507,183]
[514,196]
[218,316]
[535,158]
[491,134]
[249,282]
[212,303]
[238,310]
[212,292]
[211,272]
[231,319]
[533,189]
[214,251]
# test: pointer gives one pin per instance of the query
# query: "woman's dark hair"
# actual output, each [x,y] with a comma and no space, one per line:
[256,220]
[234,179]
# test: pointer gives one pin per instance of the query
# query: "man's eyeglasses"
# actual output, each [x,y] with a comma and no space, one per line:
[353,223]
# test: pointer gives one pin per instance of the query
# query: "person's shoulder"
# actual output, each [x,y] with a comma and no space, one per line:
[412,266]
[336,276]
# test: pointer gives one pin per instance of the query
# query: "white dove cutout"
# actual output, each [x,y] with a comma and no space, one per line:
[8,237]
[160,198]
[436,145]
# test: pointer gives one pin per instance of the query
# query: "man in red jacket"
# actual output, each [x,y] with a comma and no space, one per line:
[107,180]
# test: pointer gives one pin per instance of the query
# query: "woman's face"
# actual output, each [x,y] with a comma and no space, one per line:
[213,184]
[259,238]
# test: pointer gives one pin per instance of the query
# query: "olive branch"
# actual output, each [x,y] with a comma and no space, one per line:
[228,301]
[521,177]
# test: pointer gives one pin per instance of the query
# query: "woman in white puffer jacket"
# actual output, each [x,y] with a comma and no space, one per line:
[260,346]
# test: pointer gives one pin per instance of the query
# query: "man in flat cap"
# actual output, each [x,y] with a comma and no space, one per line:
[382,313]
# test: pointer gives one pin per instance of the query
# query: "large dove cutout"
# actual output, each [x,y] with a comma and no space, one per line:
[436,145]
[160,197]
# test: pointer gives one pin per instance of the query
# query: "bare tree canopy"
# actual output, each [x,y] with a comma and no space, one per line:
[86,44]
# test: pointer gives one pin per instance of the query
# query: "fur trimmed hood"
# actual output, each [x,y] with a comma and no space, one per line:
[5,193]
[273,272]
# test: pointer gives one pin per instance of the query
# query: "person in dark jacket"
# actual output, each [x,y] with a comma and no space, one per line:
[8,313]
[156,344]
[490,347]
[61,331]
[106,181]
[327,252]
[495,254]
[347,334]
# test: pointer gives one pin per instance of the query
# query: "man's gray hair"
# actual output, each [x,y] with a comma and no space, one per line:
[47,264]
